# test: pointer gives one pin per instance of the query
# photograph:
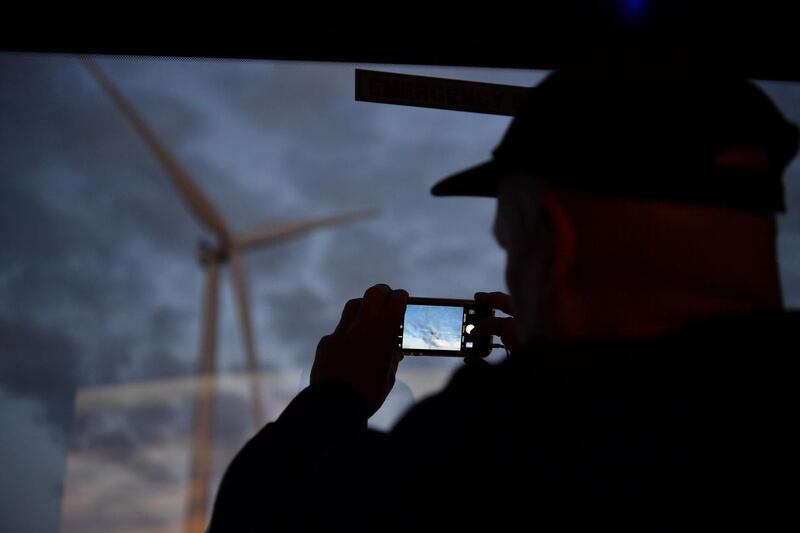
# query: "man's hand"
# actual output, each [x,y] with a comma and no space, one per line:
[507,328]
[362,351]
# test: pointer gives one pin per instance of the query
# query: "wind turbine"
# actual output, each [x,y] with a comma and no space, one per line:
[227,247]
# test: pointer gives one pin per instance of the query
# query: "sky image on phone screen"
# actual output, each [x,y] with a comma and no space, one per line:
[432,327]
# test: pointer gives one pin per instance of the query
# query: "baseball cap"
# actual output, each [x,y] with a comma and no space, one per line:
[637,128]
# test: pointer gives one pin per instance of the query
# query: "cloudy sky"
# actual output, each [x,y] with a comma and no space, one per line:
[99,282]
[432,327]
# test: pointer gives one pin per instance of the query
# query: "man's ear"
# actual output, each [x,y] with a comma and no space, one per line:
[564,238]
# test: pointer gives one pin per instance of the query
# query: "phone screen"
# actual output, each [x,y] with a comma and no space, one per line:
[442,327]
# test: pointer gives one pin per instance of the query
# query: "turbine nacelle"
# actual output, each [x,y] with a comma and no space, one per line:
[211,252]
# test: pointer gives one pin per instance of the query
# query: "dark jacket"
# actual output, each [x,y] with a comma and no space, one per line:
[693,430]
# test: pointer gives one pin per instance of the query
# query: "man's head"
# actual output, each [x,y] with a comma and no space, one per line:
[580,265]
[634,198]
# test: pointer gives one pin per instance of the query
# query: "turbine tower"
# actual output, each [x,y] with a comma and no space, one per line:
[226,247]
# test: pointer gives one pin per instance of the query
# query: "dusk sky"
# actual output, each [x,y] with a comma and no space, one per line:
[99,282]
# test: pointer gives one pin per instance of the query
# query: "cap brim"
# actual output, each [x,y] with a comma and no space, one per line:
[480,180]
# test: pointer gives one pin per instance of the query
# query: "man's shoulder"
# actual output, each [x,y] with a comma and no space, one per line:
[743,327]
[710,355]
[741,335]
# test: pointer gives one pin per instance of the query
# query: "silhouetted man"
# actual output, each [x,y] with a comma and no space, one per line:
[651,382]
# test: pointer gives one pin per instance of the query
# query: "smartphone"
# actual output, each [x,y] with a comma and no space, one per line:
[443,327]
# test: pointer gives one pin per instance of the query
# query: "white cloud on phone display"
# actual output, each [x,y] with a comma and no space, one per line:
[432,328]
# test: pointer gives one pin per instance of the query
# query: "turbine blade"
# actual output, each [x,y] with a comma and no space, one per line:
[194,197]
[270,232]
[202,444]
[243,307]
[203,424]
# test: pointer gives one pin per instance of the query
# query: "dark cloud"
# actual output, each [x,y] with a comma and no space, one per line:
[291,317]
[40,364]
[32,457]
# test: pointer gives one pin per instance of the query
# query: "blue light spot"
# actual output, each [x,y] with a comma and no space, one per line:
[633,10]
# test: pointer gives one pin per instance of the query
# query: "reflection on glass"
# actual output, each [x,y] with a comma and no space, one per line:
[128,467]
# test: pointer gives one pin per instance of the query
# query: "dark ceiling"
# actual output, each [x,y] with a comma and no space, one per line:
[756,38]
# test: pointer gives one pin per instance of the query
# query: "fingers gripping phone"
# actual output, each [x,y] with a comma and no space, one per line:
[443,327]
